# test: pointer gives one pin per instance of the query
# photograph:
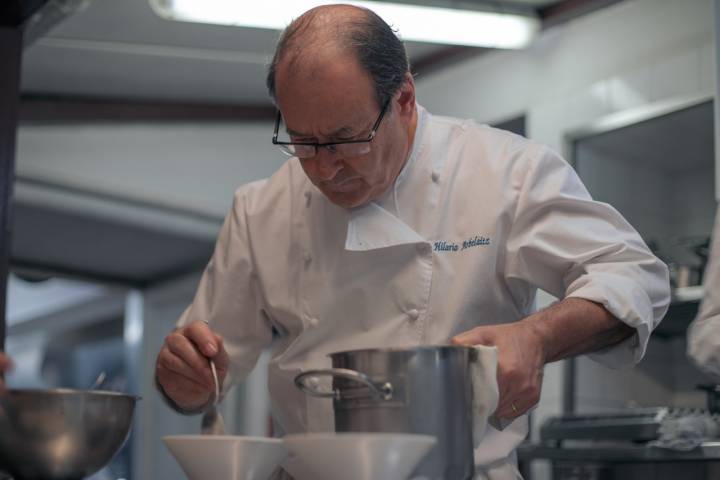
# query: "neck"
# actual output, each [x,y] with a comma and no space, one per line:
[412,127]
[411,133]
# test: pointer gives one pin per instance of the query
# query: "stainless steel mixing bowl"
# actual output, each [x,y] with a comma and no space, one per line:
[61,434]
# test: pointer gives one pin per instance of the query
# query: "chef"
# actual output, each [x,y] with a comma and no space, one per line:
[390,226]
[704,332]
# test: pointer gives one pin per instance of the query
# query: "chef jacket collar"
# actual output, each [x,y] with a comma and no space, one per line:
[372,226]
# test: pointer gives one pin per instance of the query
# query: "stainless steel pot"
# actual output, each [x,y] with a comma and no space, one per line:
[61,434]
[425,390]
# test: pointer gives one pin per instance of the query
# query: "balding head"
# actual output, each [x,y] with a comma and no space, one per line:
[326,32]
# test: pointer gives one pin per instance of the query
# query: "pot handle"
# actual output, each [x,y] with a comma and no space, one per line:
[383,391]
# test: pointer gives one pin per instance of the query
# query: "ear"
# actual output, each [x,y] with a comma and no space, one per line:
[406,97]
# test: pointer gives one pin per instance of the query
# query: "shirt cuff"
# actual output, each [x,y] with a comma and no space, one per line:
[627,302]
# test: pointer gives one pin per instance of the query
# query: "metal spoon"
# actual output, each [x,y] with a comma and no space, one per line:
[99,381]
[212,422]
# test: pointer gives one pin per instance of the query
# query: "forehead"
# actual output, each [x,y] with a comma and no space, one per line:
[324,89]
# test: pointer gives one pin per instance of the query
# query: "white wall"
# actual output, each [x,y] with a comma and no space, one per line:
[193,167]
[624,56]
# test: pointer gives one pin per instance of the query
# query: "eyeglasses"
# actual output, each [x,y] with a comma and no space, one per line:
[346,148]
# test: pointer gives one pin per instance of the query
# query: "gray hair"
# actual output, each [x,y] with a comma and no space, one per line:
[373,42]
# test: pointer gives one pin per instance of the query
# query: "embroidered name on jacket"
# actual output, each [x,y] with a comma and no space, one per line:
[476,241]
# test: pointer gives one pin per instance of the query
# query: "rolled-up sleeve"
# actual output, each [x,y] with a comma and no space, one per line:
[569,245]
[228,296]
[704,332]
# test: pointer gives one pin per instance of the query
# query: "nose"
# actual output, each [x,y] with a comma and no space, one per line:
[328,164]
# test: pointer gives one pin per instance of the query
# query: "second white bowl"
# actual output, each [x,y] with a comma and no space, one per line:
[356,456]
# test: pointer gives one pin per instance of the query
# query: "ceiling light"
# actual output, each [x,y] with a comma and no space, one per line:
[414,22]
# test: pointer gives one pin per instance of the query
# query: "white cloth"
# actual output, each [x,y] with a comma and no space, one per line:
[483,372]
[704,332]
[477,220]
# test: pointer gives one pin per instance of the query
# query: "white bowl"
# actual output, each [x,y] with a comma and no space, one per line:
[226,457]
[355,456]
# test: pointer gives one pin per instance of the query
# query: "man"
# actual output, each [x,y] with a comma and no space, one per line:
[704,332]
[398,228]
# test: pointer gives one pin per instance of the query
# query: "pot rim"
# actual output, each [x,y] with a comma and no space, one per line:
[403,349]
[69,392]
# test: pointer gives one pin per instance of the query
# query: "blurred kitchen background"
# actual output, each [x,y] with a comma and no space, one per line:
[134,130]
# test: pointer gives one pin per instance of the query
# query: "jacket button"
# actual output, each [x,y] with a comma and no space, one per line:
[413,314]
[307,197]
[307,257]
[435,176]
[313,322]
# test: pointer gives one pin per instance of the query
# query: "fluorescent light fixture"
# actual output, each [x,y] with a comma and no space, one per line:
[413,22]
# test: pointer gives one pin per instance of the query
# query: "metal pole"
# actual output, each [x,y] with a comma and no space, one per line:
[10,57]
[717,100]
[569,378]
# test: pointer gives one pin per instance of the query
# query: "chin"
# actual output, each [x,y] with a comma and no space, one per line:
[347,199]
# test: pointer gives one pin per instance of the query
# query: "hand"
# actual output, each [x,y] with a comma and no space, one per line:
[520,364]
[5,365]
[183,367]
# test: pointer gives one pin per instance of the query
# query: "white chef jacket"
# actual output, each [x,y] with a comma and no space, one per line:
[477,220]
[704,332]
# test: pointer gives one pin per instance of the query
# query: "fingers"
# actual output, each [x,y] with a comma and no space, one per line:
[193,361]
[203,337]
[183,364]
[182,370]
[520,364]
[5,365]
[476,336]
[5,362]
[210,345]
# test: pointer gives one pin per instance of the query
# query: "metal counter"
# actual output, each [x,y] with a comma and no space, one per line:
[708,451]
[625,461]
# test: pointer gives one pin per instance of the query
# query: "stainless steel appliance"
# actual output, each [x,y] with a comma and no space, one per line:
[425,390]
[615,446]
[61,434]
[637,425]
